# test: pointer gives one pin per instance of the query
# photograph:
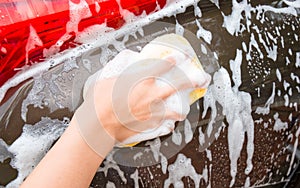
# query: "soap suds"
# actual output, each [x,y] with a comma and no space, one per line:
[97,6]
[4,153]
[203,33]
[32,145]
[155,149]
[110,163]
[179,30]
[177,137]
[297,63]
[295,78]
[237,109]
[278,74]
[135,177]
[232,22]
[188,132]
[279,125]
[110,185]
[266,109]
[182,167]
[294,151]
[78,11]
[32,42]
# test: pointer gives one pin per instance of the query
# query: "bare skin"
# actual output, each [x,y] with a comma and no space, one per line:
[69,163]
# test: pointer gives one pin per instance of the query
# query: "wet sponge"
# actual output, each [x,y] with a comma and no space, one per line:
[166,47]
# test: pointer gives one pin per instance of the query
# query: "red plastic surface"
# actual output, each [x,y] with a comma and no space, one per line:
[14,31]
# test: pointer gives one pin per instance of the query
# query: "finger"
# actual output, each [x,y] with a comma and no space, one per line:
[167,114]
[143,70]
[160,67]
[179,79]
[164,92]
[154,67]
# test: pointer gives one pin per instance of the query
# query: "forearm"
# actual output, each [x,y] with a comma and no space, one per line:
[69,163]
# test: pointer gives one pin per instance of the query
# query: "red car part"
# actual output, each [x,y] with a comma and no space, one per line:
[16,17]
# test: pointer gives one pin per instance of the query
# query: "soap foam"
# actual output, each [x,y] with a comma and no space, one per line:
[182,167]
[266,109]
[32,42]
[279,125]
[237,109]
[32,145]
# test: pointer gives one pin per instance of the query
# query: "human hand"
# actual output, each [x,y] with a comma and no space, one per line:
[130,103]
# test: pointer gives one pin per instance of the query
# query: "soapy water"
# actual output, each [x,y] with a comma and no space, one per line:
[238,126]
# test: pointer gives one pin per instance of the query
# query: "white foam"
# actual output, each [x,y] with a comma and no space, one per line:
[135,177]
[176,137]
[290,51]
[294,151]
[3,49]
[259,121]
[266,109]
[287,61]
[295,3]
[97,7]
[261,9]
[297,63]
[278,74]
[247,182]
[87,65]
[271,50]
[237,109]
[258,91]
[188,132]
[203,49]
[286,85]
[279,125]
[203,33]
[296,37]
[179,30]
[298,89]
[197,10]
[4,153]
[279,92]
[286,100]
[208,154]
[92,33]
[244,46]
[32,145]
[216,2]
[127,15]
[110,185]
[221,128]
[208,102]
[253,43]
[182,167]
[77,12]
[201,137]
[155,149]
[32,42]
[236,71]
[290,92]
[138,155]
[150,173]
[232,22]
[110,163]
